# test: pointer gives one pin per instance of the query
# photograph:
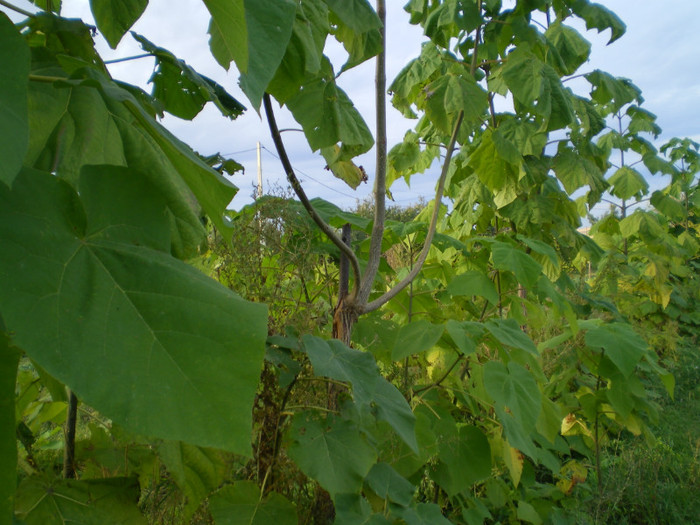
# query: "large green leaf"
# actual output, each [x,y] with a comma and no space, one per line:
[358,15]
[80,125]
[599,17]
[523,75]
[415,338]
[424,514]
[465,459]
[144,338]
[242,504]
[508,332]
[507,257]
[517,400]
[611,90]
[9,359]
[115,17]
[575,171]
[269,26]
[335,360]
[473,283]
[389,484]
[197,471]
[622,345]
[328,116]
[627,182]
[110,501]
[573,49]
[14,119]
[229,33]
[492,161]
[332,451]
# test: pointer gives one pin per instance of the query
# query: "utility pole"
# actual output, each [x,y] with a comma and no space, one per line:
[259,192]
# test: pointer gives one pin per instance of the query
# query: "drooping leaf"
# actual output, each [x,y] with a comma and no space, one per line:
[575,171]
[84,125]
[523,75]
[473,283]
[611,90]
[461,336]
[182,91]
[571,46]
[335,360]
[667,205]
[507,257]
[599,17]
[45,501]
[241,504]
[177,355]
[508,332]
[328,117]
[358,15]
[229,33]
[415,338]
[331,451]
[9,359]
[643,224]
[389,484]
[197,471]
[115,17]
[269,26]
[622,345]
[14,116]
[517,400]
[345,170]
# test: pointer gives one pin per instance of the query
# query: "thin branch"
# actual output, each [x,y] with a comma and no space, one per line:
[296,186]
[444,376]
[375,246]
[573,77]
[127,59]
[431,229]
[17,9]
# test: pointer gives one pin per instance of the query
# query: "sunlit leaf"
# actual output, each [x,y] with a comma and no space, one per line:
[115,18]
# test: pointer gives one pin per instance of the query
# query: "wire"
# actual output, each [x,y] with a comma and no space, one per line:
[314,179]
[238,152]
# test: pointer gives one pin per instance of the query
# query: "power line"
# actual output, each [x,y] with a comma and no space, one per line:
[314,179]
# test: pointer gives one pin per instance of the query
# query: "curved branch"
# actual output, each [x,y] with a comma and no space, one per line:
[388,296]
[296,186]
[375,247]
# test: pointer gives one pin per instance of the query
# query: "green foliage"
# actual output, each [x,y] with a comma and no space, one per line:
[490,389]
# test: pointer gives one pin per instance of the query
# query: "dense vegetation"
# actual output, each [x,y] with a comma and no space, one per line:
[166,360]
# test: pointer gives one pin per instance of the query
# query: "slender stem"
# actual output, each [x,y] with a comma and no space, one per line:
[69,449]
[42,78]
[444,376]
[375,247]
[296,186]
[431,229]
[127,59]
[17,9]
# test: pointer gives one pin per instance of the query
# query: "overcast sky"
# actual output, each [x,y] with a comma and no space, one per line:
[659,52]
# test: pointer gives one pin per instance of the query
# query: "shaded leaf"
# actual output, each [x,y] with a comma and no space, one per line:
[415,338]
[241,504]
[389,484]
[358,15]
[44,501]
[424,514]
[465,459]
[627,183]
[571,46]
[599,17]
[509,333]
[331,451]
[14,117]
[144,338]
[196,471]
